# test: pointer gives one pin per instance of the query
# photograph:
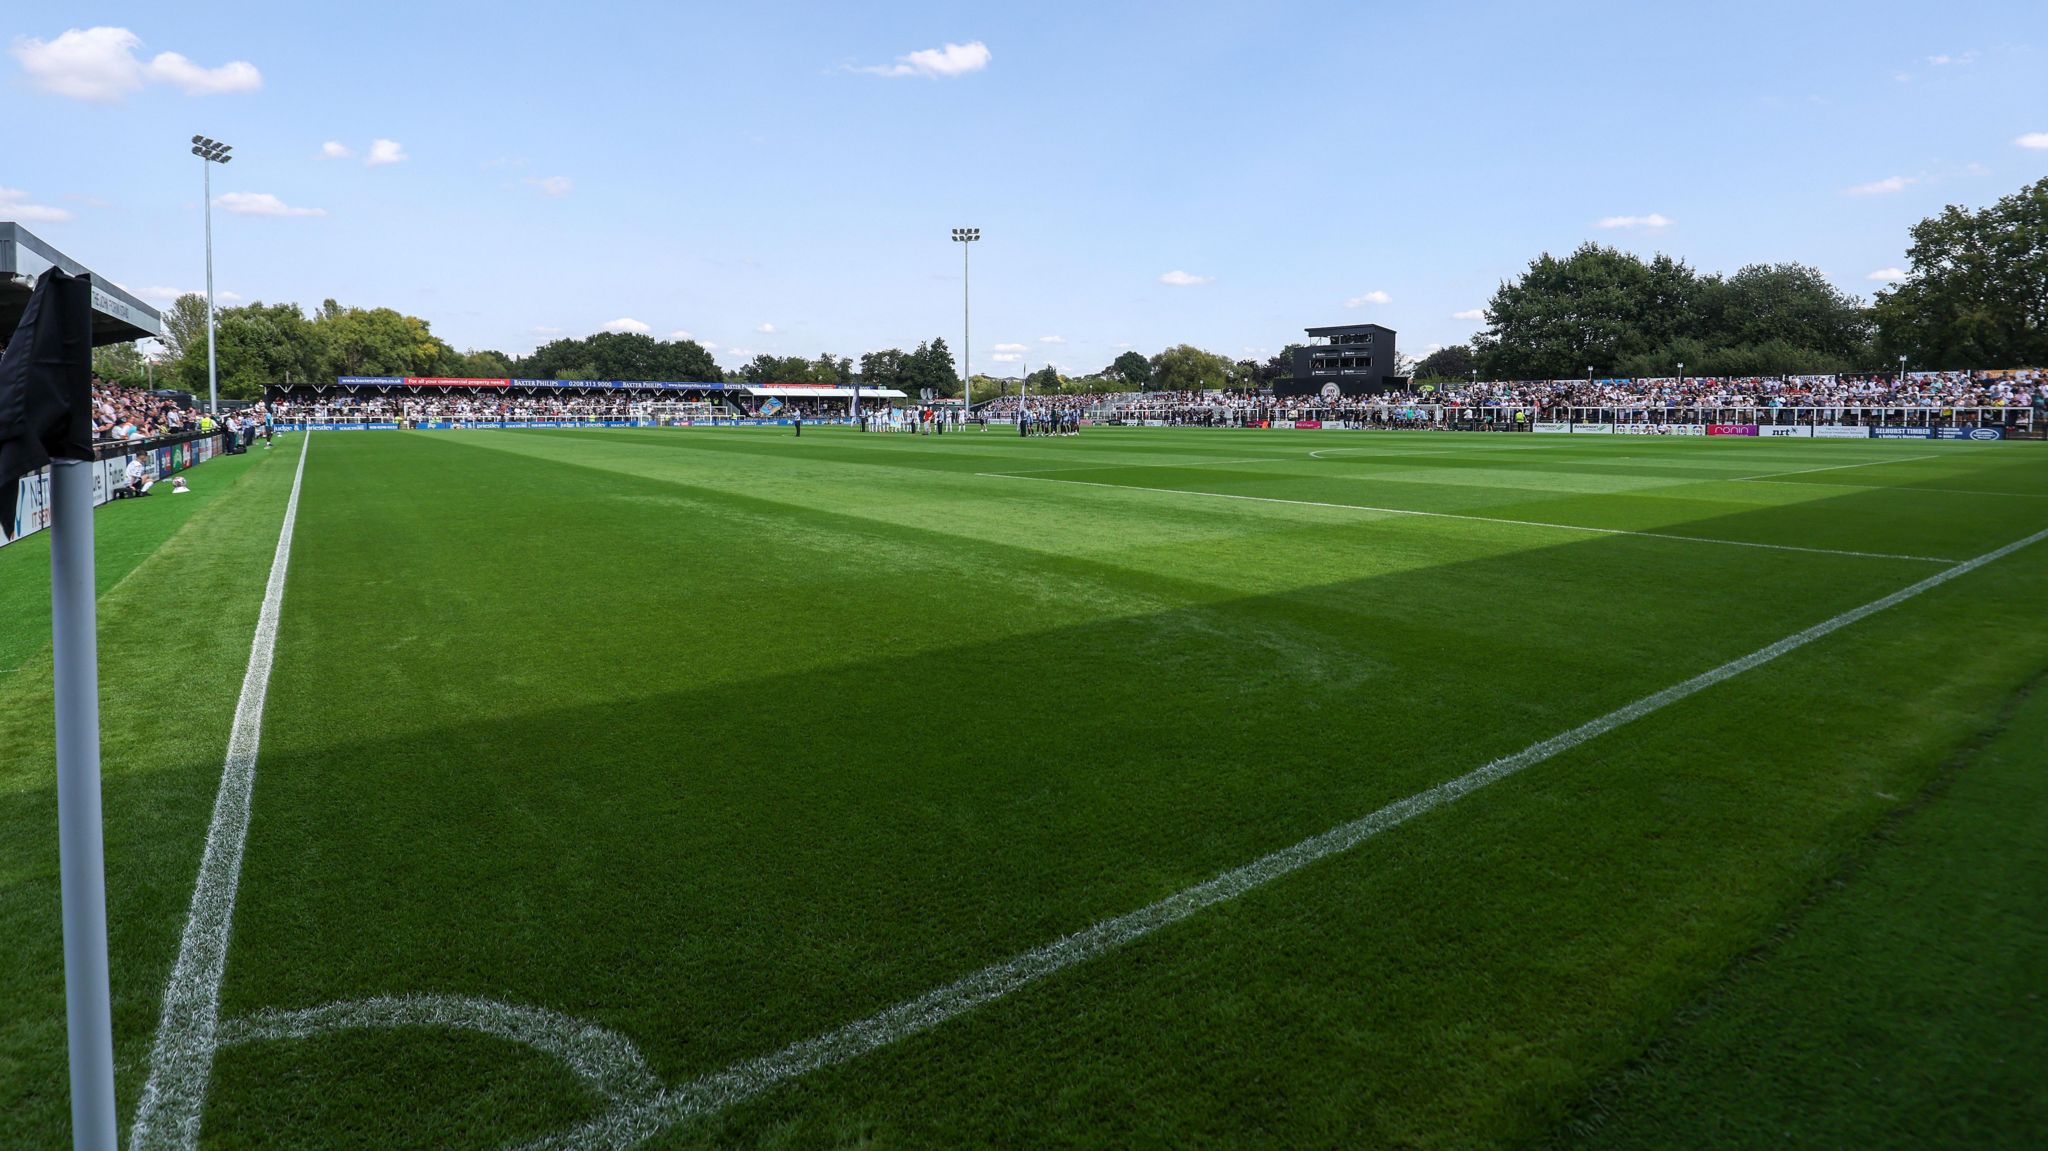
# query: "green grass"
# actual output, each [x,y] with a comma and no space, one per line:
[720,740]
[1901,1007]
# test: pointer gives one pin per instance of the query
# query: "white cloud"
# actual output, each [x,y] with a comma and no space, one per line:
[1180,279]
[96,64]
[1470,314]
[766,329]
[1887,275]
[740,353]
[2032,140]
[15,205]
[1882,187]
[235,76]
[951,60]
[336,150]
[552,186]
[628,324]
[384,152]
[1052,339]
[1960,58]
[261,204]
[1373,297]
[1121,344]
[1007,357]
[680,334]
[1653,220]
[1009,347]
[100,65]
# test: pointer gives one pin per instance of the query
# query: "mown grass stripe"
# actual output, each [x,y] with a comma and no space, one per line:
[624,1126]
[1477,519]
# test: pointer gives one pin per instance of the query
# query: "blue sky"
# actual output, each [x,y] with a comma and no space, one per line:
[783,177]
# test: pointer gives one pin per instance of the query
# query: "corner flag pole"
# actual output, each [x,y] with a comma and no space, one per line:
[81,849]
[45,418]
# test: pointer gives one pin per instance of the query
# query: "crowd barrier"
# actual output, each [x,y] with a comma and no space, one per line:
[163,457]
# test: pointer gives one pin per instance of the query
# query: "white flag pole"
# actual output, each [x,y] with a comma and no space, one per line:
[81,849]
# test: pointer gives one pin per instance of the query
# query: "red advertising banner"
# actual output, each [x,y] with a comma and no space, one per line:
[1731,429]
[1308,424]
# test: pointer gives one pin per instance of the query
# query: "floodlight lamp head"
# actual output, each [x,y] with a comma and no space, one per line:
[198,139]
[198,151]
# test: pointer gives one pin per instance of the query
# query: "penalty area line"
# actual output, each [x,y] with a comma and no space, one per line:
[623,1126]
[181,1062]
[1480,519]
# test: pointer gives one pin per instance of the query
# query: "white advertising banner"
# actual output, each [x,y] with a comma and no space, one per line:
[1660,429]
[1553,427]
[1785,432]
[1829,432]
[1592,429]
[31,510]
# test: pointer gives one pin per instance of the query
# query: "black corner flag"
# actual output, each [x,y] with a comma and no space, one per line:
[46,384]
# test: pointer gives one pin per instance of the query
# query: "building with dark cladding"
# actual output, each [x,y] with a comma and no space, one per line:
[1352,358]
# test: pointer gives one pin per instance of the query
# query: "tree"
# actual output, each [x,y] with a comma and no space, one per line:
[1134,371]
[1453,363]
[120,364]
[1045,381]
[1593,307]
[1280,366]
[888,368]
[185,325]
[1788,304]
[1977,293]
[1186,368]
[931,366]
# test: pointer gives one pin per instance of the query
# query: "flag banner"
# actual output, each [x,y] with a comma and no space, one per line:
[46,384]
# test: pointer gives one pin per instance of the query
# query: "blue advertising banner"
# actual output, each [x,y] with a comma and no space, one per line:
[1902,433]
[1969,434]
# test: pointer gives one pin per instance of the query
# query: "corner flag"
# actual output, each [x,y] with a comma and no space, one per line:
[46,418]
[46,384]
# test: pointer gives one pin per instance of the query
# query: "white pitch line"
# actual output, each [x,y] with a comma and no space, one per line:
[1839,467]
[605,1060]
[182,1060]
[623,1126]
[1478,519]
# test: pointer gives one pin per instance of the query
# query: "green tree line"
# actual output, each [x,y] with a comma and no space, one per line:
[1975,295]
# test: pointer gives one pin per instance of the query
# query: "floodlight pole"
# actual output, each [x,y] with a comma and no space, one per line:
[212,373]
[210,152]
[964,237]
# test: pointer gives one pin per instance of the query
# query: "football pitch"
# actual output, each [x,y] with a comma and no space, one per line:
[681,788]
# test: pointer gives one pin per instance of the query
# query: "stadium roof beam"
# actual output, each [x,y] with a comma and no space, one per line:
[117,316]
